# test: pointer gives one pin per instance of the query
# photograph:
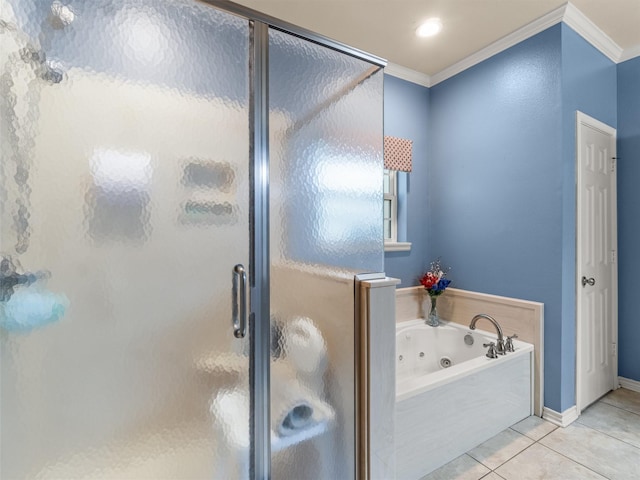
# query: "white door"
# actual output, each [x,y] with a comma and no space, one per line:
[596,267]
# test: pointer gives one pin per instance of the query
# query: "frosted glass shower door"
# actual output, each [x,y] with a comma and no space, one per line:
[325,120]
[124,181]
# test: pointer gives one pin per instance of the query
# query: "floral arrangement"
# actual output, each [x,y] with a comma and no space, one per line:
[435,281]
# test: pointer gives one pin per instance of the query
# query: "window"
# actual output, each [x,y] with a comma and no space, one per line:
[390,210]
[393,195]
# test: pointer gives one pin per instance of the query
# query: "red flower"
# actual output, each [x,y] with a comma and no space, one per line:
[429,279]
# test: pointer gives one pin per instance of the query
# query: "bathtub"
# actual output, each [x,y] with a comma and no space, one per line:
[450,397]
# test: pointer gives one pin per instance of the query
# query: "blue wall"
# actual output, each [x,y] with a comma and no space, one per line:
[501,176]
[496,182]
[502,179]
[406,115]
[588,85]
[628,217]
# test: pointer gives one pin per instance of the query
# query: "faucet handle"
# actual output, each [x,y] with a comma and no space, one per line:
[492,353]
[509,344]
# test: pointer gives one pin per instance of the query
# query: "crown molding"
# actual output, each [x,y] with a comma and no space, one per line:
[591,33]
[552,18]
[629,53]
[408,74]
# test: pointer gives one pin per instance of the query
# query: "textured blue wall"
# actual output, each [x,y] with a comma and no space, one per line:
[588,85]
[501,182]
[406,115]
[496,184]
[628,217]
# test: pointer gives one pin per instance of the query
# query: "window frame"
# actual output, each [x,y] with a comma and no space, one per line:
[392,197]
[392,244]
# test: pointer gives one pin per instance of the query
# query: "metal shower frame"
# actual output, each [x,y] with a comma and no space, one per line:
[259,273]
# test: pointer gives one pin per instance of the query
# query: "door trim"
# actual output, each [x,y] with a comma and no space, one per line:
[585,120]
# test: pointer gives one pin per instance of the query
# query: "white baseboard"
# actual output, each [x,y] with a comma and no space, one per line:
[629,384]
[570,415]
[563,419]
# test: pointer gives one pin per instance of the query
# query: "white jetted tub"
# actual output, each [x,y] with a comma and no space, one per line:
[450,396]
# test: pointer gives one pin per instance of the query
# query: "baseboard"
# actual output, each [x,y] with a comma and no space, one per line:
[563,419]
[629,384]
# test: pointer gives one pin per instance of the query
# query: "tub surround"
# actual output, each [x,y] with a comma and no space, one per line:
[443,412]
[420,351]
[522,317]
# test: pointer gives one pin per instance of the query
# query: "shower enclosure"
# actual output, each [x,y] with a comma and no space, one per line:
[188,192]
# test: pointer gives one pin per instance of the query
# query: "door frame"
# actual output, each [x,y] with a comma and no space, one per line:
[583,120]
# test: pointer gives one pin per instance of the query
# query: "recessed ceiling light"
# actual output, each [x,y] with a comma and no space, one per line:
[429,28]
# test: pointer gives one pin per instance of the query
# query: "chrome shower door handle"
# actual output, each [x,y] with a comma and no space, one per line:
[588,281]
[239,307]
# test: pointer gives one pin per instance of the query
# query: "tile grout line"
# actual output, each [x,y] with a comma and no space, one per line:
[575,461]
[566,457]
[553,450]
[534,441]
[503,463]
[537,441]
[496,473]
[619,408]
[493,470]
[609,435]
[563,455]
[508,459]
[545,435]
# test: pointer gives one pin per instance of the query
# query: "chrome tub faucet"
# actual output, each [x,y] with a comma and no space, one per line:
[500,347]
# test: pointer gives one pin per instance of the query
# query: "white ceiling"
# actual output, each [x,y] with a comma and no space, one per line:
[386,28]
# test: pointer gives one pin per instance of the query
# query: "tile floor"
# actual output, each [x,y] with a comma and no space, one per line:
[604,443]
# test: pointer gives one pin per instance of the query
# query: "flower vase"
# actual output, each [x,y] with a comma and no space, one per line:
[433,319]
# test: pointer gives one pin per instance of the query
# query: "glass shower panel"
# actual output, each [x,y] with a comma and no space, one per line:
[124,191]
[326,226]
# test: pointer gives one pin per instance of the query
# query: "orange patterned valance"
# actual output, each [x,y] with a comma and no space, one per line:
[397,153]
